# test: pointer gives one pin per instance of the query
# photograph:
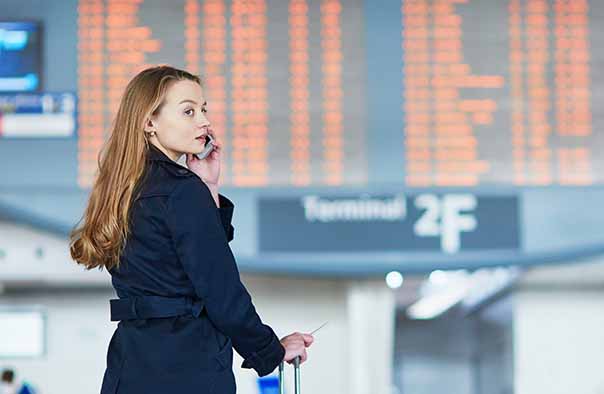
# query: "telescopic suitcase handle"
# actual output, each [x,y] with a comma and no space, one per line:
[296,376]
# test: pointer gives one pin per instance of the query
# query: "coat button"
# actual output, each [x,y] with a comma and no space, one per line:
[183,171]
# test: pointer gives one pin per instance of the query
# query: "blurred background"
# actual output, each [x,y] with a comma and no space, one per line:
[422,174]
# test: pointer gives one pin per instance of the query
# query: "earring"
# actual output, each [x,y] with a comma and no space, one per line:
[152,133]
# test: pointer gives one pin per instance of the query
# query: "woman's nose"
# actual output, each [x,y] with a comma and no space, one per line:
[203,122]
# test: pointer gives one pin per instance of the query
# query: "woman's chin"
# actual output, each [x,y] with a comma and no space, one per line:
[193,150]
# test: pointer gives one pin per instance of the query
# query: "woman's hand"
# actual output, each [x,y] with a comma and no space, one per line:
[295,345]
[207,169]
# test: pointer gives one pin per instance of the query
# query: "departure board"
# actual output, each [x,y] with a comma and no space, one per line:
[486,92]
[499,92]
[274,77]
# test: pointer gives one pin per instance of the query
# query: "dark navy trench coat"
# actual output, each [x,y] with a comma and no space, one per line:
[178,248]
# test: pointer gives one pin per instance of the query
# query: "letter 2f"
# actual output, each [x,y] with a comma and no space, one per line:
[444,217]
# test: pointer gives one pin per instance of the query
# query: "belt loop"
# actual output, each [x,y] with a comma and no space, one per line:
[133,307]
[194,306]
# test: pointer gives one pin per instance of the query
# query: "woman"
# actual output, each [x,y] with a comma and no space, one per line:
[162,232]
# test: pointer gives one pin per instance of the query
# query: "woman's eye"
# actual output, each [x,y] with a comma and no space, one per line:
[190,112]
[204,110]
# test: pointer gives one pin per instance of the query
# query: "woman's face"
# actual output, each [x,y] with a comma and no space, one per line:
[181,124]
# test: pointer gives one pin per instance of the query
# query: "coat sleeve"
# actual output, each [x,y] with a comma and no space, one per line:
[226,214]
[202,246]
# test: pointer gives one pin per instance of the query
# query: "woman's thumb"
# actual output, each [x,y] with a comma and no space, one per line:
[308,339]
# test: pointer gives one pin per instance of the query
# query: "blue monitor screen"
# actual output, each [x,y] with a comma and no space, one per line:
[20,56]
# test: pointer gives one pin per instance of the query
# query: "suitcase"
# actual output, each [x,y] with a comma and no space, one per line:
[296,376]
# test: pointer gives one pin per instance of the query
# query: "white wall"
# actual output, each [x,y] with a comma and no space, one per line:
[79,331]
[35,256]
[559,330]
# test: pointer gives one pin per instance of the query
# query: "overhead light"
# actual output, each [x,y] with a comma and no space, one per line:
[434,305]
[438,277]
[394,279]
[487,283]
[442,291]
[445,289]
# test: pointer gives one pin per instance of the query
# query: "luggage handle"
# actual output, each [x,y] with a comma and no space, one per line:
[296,369]
[296,376]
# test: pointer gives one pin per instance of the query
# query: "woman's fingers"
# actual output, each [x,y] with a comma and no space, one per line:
[217,143]
[217,147]
[295,346]
[189,158]
[303,357]
[308,339]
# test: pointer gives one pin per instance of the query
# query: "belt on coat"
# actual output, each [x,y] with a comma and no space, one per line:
[148,307]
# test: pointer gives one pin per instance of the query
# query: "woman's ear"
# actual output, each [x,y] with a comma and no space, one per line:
[150,126]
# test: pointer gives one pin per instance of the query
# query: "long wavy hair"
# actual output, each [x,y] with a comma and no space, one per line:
[100,239]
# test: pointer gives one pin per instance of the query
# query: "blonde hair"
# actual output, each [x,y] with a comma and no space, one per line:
[100,240]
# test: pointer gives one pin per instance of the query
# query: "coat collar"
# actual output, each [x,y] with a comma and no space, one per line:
[155,154]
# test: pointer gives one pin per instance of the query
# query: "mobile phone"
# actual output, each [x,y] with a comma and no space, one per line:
[209,147]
